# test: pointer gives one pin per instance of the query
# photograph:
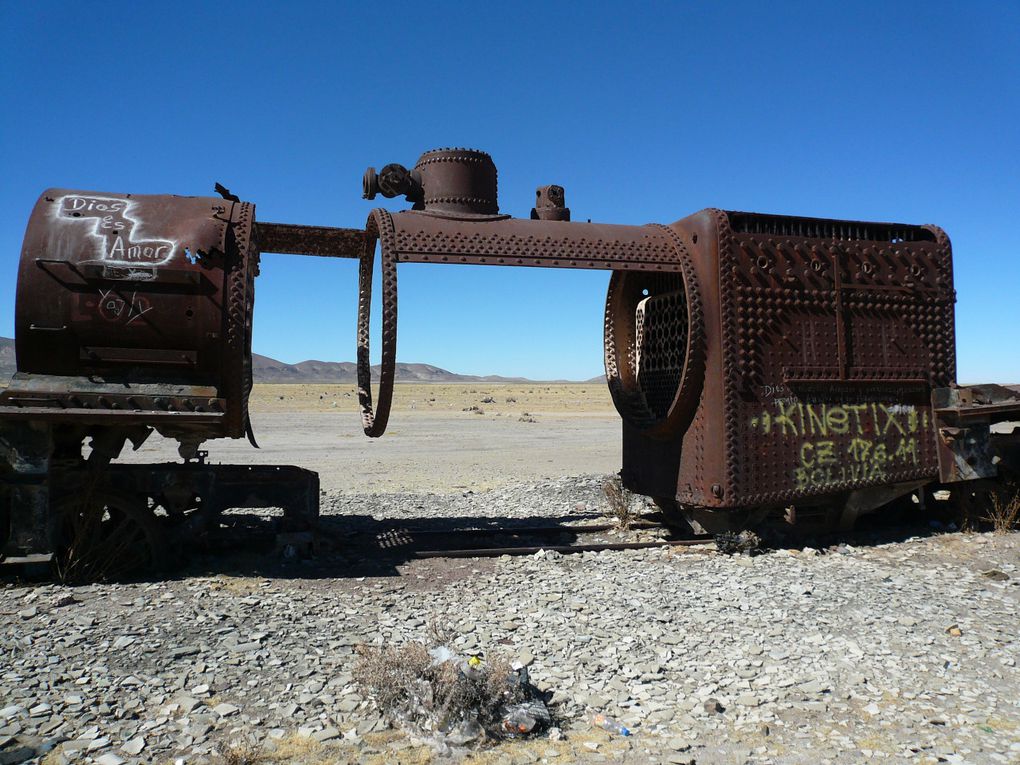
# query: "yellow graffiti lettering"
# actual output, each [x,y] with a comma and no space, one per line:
[818,453]
[784,420]
[882,439]
[825,452]
[859,449]
[857,409]
[800,478]
[906,449]
[837,420]
[817,421]
[807,458]
[879,455]
[891,420]
[912,420]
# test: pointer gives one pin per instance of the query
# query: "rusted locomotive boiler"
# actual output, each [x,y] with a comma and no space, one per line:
[133,315]
[760,363]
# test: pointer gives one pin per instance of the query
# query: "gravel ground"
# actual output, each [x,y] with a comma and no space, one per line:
[901,651]
[421,451]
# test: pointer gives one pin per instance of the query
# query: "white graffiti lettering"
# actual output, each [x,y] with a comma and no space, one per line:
[116,230]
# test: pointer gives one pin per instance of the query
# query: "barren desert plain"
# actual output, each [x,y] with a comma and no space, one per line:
[441,437]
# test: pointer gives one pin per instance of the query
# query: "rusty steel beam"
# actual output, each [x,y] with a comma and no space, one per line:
[319,241]
[537,243]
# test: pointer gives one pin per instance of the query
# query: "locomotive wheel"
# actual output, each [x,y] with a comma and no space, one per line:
[106,535]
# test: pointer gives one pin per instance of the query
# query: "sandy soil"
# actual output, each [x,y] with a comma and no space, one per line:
[506,399]
[435,441]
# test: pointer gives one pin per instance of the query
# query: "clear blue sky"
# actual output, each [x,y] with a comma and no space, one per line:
[644,112]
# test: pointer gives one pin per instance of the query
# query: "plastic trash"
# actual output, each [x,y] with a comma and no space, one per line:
[441,654]
[471,667]
[464,733]
[524,718]
[611,725]
[453,699]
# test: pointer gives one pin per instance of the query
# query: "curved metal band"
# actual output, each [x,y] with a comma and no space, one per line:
[620,356]
[379,227]
[681,412]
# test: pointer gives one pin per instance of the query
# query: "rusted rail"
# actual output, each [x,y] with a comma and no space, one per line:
[495,552]
[526,530]
[526,538]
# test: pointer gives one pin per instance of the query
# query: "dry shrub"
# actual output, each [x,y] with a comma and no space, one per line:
[619,500]
[415,691]
[1004,509]
[240,753]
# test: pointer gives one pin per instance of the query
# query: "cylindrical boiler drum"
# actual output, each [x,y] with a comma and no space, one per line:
[137,303]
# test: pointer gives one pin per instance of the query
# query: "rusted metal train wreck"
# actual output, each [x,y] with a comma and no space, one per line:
[759,363]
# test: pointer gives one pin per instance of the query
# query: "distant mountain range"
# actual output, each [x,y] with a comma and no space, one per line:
[267,370]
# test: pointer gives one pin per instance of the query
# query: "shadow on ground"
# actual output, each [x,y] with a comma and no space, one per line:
[362,546]
[356,546]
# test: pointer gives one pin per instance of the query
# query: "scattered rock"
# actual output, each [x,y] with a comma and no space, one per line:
[134,747]
[17,754]
[995,575]
[164,670]
[326,734]
[712,706]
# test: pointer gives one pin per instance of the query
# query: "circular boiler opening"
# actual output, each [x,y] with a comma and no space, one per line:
[648,348]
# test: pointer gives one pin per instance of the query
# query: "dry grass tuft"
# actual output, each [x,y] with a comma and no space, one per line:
[417,691]
[619,500]
[297,748]
[1004,510]
[240,753]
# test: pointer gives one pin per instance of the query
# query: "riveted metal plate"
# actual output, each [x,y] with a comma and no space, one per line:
[832,344]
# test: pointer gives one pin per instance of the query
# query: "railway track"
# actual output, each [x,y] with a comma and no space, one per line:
[522,540]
